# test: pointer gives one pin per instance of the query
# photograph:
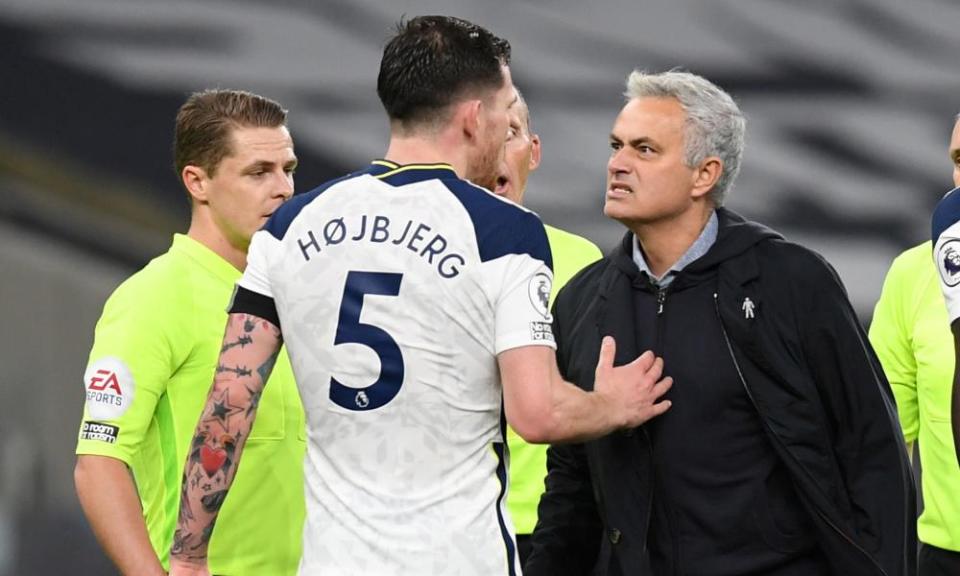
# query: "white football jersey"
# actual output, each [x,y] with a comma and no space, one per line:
[396,287]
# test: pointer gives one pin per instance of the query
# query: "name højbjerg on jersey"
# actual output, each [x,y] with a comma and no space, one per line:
[417,237]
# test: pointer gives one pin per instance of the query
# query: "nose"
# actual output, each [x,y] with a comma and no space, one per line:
[616,165]
[285,186]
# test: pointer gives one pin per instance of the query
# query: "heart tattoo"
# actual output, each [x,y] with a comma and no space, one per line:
[212,459]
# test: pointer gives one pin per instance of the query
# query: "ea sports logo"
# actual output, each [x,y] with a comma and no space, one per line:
[109,387]
[948,261]
[104,379]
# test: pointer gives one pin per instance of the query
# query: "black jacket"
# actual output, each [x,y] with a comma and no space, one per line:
[807,368]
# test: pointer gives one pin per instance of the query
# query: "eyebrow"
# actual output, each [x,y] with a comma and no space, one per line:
[635,142]
[267,164]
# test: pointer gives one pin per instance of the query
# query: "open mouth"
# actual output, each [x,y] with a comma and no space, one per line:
[502,184]
[618,188]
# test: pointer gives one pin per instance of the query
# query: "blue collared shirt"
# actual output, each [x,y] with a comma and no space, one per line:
[700,247]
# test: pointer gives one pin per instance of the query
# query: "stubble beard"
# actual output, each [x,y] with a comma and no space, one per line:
[485,169]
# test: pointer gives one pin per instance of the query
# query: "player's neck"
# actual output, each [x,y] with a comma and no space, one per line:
[422,150]
[203,230]
[664,242]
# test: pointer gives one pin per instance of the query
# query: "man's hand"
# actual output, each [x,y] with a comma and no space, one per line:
[180,568]
[543,408]
[631,391]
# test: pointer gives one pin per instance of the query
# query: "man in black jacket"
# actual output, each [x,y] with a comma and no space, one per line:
[781,454]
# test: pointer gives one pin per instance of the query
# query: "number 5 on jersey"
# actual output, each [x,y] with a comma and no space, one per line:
[350,330]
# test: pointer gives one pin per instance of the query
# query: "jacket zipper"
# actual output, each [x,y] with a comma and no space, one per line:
[743,381]
[661,299]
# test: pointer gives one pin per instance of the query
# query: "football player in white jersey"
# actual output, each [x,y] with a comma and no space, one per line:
[413,304]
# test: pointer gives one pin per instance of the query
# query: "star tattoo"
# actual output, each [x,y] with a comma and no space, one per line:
[222,410]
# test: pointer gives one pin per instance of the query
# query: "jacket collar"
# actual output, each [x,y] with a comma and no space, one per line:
[736,263]
[735,236]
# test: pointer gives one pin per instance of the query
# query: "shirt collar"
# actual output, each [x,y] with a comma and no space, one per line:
[699,247]
[398,175]
[205,257]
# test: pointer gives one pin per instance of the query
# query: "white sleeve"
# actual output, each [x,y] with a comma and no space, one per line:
[522,302]
[256,277]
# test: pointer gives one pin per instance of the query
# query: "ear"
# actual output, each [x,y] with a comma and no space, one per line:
[534,152]
[705,176]
[195,181]
[468,115]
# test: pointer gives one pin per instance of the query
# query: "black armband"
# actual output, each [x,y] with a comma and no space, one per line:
[253,303]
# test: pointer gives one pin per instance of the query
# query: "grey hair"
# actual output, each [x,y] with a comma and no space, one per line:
[714,126]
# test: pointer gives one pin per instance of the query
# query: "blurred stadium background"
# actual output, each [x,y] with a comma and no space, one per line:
[850,106]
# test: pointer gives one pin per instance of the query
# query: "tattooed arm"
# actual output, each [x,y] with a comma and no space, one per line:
[250,348]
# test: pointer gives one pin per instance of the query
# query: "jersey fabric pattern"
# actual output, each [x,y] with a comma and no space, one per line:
[396,288]
[528,462]
[158,340]
[911,335]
